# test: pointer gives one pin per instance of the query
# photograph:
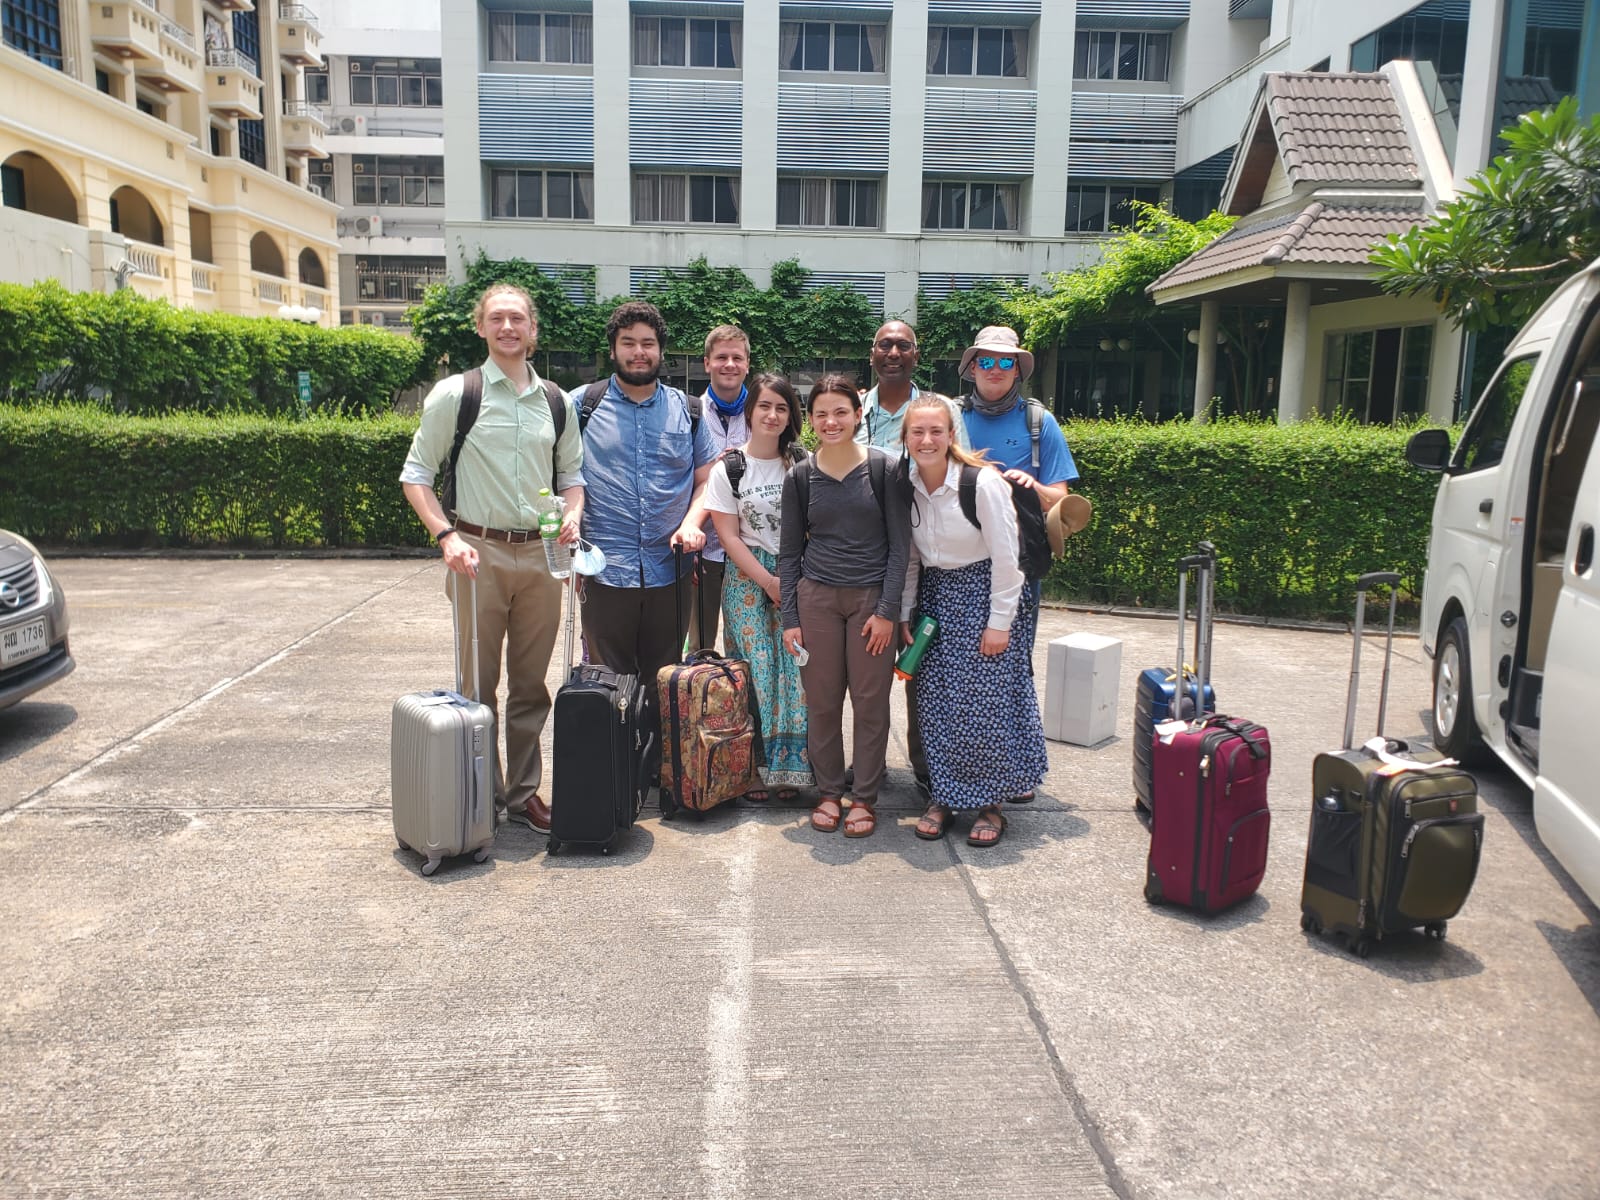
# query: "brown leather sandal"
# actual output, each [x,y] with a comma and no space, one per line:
[861,821]
[825,817]
[989,821]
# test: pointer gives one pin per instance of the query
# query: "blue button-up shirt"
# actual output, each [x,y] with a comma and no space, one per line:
[639,464]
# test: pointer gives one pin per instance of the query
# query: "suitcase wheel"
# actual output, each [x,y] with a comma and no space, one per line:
[1309,923]
[401,842]
[1361,947]
[611,844]
[1435,930]
[481,855]
[429,867]
[553,848]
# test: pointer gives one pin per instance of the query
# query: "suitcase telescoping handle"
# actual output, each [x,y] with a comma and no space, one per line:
[1202,564]
[677,588]
[455,629]
[572,620]
[1364,585]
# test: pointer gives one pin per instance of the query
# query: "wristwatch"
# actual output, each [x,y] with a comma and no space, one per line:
[444,533]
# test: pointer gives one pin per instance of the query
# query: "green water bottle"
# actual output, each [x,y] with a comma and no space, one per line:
[911,656]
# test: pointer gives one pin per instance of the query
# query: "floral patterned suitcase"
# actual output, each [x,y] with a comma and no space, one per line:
[711,734]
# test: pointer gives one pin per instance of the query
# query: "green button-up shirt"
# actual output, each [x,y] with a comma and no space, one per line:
[507,456]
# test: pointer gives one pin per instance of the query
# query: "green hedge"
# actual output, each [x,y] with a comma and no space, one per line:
[147,356]
[1296,512]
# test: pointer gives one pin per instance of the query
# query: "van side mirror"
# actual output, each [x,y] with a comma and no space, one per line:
[1429,449]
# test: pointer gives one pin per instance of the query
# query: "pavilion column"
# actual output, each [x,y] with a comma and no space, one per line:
[1205,366]
[1292,373]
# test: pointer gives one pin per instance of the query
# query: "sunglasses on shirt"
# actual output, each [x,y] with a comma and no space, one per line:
[988,362]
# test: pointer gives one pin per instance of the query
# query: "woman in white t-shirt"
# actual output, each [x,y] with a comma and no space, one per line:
[744,508]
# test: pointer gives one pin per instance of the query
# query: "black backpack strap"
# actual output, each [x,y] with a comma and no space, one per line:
[696,407]
[466,417]
[589,400]
[802,493]
[967,494]
[878,476]
[798,453]
[733,463]
[1035,430]
[557,400]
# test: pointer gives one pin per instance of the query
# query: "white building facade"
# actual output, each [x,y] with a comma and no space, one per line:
[382,98]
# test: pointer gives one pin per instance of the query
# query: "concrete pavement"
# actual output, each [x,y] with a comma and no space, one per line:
[225,980]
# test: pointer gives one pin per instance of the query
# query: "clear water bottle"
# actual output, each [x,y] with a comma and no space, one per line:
[557,557]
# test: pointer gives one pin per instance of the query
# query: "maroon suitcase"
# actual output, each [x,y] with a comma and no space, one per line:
[1209,816]
[1208,844]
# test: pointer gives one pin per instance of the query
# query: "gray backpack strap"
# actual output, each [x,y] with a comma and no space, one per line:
[1035,431]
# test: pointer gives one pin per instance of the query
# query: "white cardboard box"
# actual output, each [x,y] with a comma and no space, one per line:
[1082,681]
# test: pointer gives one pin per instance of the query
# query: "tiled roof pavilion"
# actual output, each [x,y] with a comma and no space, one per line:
[1327,166]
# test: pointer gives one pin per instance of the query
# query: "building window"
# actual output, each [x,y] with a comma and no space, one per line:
[397,182]
[831,46]
[686,42]
[686,199]
[316,87]
[1100,207]
[13,187]
[253,143]
[534,195]
[396,279]
[1378,375]
[963,50]
[1112,54]
[396,82]
[247,36]
[319,177]
[952,205]
[34,27]
[540,37]
[828,203]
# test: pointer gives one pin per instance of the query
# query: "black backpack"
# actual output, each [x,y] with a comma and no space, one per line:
[589,400]
[1033,542]
[467,416]
[734,462]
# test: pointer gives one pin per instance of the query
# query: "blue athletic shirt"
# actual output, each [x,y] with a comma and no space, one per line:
[1005,439]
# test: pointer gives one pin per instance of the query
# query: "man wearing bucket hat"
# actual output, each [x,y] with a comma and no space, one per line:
[1021,437]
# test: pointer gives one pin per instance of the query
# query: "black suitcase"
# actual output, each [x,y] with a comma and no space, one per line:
[604,751]
[1396,834]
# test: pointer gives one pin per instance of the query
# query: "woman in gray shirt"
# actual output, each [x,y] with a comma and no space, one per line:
[841,565]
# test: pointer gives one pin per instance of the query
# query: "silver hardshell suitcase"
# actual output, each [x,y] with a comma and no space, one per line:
[441,759]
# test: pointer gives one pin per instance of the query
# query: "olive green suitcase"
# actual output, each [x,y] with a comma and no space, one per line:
[1395,832]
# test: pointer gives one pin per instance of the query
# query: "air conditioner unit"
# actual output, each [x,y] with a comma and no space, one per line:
[355,125]
[369,226]
[344,226]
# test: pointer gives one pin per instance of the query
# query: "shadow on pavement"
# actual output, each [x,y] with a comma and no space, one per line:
[1410,957]
[25,725]
[1579,952]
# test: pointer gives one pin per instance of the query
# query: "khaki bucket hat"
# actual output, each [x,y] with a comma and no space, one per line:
[1066,517]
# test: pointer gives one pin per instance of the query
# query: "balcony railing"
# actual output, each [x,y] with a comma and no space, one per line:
[237,59]
[203,277]
[297,12]
[270,290]
[177,32]
[150,4]
[304,108]
[146,260]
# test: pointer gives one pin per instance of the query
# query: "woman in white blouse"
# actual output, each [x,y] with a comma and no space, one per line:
[976,702]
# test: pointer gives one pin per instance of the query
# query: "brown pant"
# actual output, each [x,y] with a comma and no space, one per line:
[706,598]
[831,619]
[634,631]
[519,611]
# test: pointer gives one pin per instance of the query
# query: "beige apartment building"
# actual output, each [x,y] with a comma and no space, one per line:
[163,145]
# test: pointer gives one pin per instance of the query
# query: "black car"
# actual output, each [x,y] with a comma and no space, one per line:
[33,622]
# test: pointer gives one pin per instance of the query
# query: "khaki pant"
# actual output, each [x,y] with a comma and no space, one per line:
[831,619]
[519,611]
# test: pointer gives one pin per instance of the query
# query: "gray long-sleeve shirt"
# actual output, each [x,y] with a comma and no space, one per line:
[845,540]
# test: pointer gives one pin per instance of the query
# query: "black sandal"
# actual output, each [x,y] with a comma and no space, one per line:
[933,823]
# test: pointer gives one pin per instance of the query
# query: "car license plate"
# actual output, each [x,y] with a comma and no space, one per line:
[23,642]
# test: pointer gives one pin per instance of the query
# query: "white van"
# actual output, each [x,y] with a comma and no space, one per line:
[1511,605]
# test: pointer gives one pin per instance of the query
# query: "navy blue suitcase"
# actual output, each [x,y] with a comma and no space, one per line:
[1153,692]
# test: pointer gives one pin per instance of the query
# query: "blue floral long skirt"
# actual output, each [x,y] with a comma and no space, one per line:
[753,631]
[979,715]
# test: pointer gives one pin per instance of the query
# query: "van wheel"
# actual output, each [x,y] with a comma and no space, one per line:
[1455,729]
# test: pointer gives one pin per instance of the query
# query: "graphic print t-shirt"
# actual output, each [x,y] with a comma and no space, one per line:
[760,496]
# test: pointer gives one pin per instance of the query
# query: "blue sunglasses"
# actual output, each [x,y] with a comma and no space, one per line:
[987,362]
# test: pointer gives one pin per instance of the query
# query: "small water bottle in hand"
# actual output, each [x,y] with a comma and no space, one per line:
[557,557]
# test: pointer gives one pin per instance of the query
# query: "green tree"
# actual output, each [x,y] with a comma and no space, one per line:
[1113,289]
[1524,224]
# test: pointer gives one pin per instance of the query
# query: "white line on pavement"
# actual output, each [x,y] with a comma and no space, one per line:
[727,1024]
